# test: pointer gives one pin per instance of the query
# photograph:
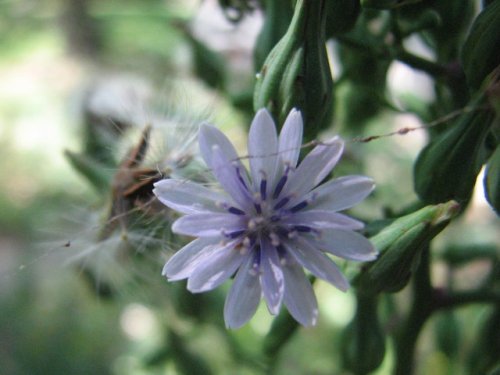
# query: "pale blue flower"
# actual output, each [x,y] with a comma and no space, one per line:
[266,225]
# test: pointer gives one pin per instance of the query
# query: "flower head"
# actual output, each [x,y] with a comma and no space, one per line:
[268,224]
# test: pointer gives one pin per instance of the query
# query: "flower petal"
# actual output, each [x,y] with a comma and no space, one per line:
[244,295]
[323,219]
[187,197]
[183,262]
[208,224]
[299,295]
[263,149]
[290,139]
[341,193]
[318,263]
[347,244]
[208,137]
[216,269]
[315,167]
[271,277]
[230,176]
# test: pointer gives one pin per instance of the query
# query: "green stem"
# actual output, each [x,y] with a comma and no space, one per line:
[421,310]
[282,330]
[243,357]
[426,301]
[464,298]
[388,53]
[419,63]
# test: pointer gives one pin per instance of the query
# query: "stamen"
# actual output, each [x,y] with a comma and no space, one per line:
[275,239]
[243,249]
[282,231]
[299,206]
[240,178]
[254,271]
[246,242]
[302,228]
[281,251]
[281,203]
[263,187]
[257,208]
[252,224]
[265,206]
[235,210]
[281,183]
[282,255]
[234,234]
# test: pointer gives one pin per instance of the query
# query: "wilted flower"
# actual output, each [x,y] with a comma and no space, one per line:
[267,225]
[122,162]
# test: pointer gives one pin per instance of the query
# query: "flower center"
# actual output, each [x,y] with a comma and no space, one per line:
[269,208]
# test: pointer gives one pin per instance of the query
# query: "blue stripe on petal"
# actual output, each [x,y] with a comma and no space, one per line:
[281,203]
[299,206]
[279,186]
[263,189]
[244,295]
[235,211]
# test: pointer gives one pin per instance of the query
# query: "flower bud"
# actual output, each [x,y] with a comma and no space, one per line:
[296,74]
[448,166]
[492,181]
[492,173]
[400,245]
[480,50]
